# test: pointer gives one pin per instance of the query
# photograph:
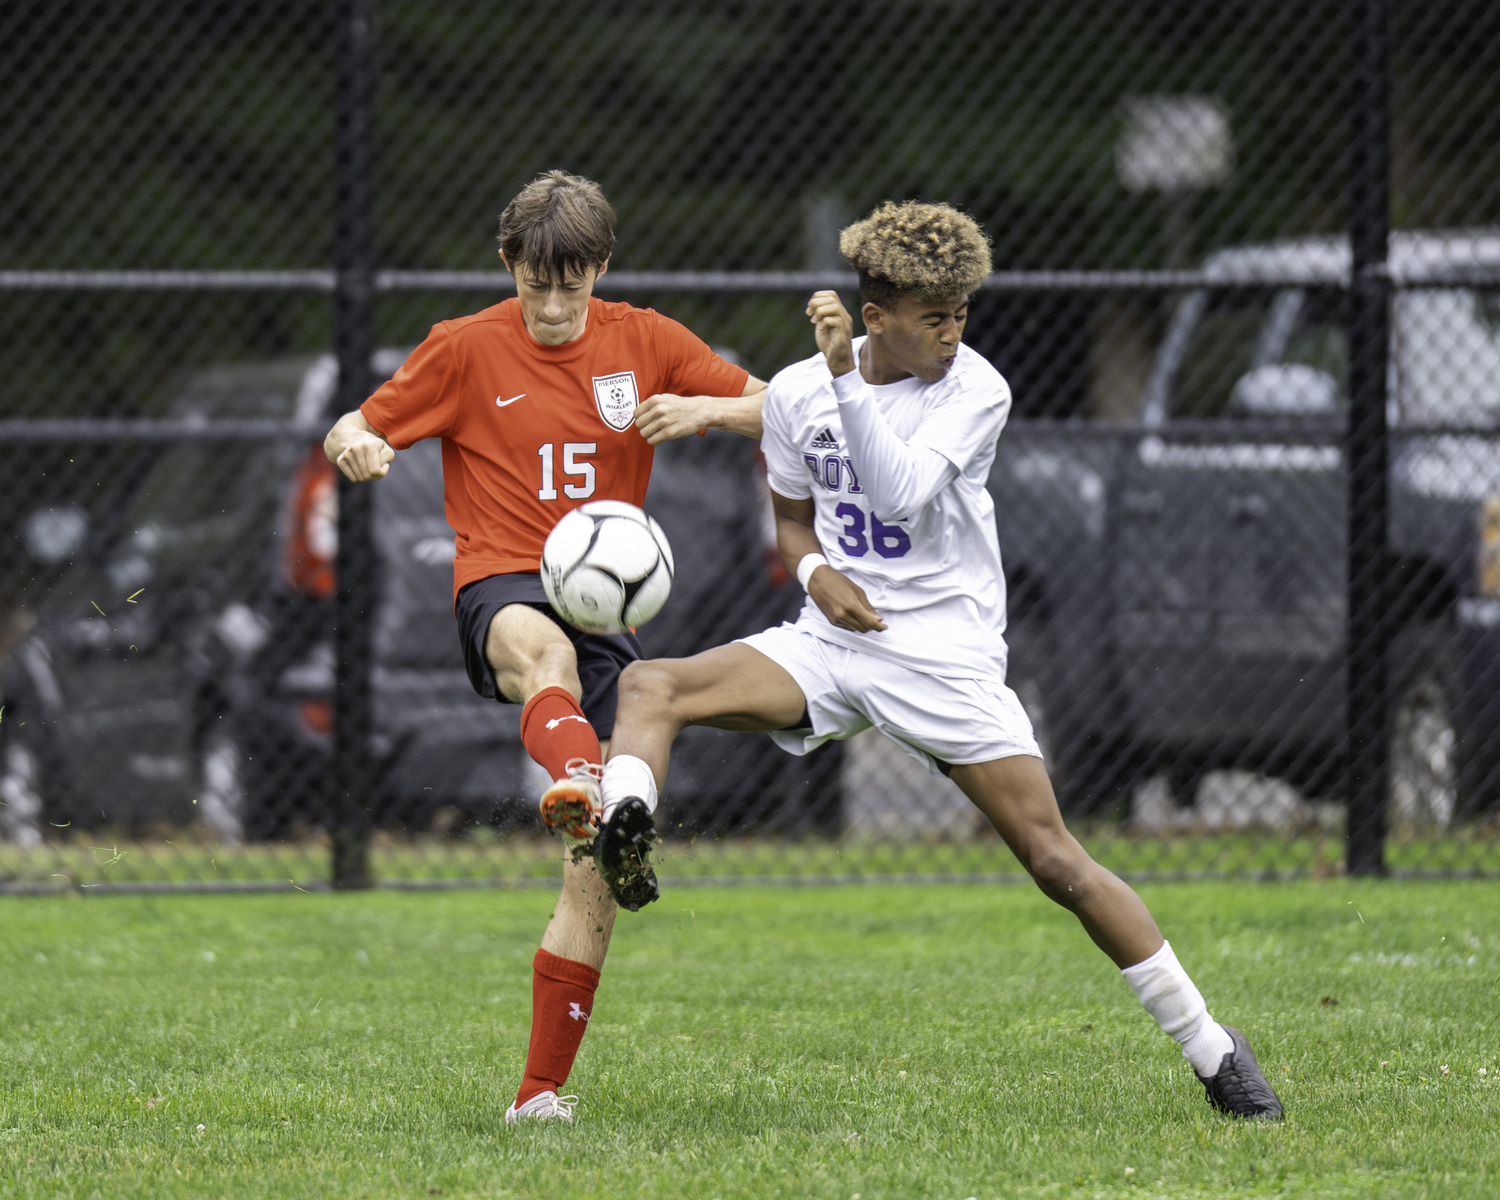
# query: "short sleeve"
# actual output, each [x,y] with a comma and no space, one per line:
[690,368]
[968,421]
[421,400]
[785,470]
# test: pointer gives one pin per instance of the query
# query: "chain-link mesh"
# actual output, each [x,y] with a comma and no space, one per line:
[1171,492]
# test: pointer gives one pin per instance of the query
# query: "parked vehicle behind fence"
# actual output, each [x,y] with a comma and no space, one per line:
[1178,584]
[181,667]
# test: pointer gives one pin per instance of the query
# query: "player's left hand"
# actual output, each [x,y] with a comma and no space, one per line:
[665,416]
[843,601]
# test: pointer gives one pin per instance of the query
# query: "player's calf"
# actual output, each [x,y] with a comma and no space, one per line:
[559,737]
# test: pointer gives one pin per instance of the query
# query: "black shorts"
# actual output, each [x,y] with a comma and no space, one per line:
[601,656]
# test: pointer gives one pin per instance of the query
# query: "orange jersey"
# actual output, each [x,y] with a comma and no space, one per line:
[531,432]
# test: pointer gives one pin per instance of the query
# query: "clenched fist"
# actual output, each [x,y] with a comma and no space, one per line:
[357,449]
[666,416]
[833,328]
[366,457]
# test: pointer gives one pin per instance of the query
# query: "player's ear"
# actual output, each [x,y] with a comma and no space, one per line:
[873,316]
[603,267]
[506,261]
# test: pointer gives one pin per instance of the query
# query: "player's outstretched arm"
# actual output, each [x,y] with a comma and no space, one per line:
[666,416]
[842,600]
[357,449]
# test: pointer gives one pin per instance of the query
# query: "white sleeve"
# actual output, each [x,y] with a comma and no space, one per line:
[968,422]
[899,477]
[785,470]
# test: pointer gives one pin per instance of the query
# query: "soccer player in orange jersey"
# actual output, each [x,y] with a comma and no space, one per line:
[544,402]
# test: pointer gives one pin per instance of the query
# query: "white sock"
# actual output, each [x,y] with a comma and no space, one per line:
[1166,992]
[625,775]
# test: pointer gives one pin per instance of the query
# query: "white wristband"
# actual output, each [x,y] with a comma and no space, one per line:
[809,564]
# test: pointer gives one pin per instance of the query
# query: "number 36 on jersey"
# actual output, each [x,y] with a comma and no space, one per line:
[862,532]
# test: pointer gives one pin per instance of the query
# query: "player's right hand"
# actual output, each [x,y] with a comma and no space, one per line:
[366,457]
[833,329]
[843,601]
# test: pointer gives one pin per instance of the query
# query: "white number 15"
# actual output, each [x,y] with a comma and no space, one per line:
[571,466]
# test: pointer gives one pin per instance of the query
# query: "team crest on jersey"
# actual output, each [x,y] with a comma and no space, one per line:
[617,399]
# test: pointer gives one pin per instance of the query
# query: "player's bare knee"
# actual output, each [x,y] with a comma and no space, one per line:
[557,661]
[648,690]
[1060,868]
[551,666]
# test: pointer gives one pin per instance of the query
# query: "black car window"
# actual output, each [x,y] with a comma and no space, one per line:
[1223,348]
[1319,338]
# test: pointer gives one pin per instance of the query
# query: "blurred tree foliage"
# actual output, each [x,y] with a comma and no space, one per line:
[180,133]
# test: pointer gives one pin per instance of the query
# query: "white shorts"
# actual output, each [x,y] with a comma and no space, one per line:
[935,719]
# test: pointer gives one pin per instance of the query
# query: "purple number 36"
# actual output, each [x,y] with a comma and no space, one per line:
[890,541]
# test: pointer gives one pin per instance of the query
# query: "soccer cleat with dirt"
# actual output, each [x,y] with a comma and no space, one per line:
[622,852]
[1240,1087]
[544,1106]
[571,805]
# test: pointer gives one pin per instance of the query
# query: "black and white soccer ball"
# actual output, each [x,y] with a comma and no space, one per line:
[607,567]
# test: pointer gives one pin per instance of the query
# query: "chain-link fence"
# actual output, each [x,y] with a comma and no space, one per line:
[218,230]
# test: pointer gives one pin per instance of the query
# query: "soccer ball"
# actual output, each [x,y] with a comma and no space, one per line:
[606,567]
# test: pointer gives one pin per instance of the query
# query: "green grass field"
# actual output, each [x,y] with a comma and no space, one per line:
[871,1042]
[100,858]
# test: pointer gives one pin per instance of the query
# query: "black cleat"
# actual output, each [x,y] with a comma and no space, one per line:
[622,852]
[1240,1087]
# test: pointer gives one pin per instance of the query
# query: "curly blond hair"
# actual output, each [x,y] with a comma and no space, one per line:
[931,251]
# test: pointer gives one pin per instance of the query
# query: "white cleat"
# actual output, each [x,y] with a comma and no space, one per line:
[571,805]
[544,1106]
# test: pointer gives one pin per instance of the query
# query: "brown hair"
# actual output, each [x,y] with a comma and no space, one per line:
[558,225]
[931,251]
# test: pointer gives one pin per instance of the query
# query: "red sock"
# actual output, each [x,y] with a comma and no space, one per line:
[554,729]
[562,997]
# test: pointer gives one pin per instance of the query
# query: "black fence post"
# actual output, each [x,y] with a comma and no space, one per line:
[354,335]
[1367,747]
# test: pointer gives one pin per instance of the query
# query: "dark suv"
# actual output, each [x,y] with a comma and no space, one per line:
[1178,584]
[181,668]
[181,665]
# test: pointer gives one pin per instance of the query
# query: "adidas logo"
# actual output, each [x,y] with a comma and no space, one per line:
[824,440]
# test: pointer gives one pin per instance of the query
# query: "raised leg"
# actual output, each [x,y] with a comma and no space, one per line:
[730,687]
[529,653]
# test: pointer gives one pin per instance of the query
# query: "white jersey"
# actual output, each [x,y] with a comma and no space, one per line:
[934,576]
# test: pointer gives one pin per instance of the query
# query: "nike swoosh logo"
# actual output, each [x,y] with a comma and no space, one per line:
[499,403]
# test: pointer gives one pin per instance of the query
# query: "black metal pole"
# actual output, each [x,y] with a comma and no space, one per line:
[1367,742]
[354,334]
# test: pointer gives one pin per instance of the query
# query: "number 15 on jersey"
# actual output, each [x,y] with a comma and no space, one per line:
[573,464]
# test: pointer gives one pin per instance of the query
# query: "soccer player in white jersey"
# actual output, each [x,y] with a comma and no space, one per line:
[878,450]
